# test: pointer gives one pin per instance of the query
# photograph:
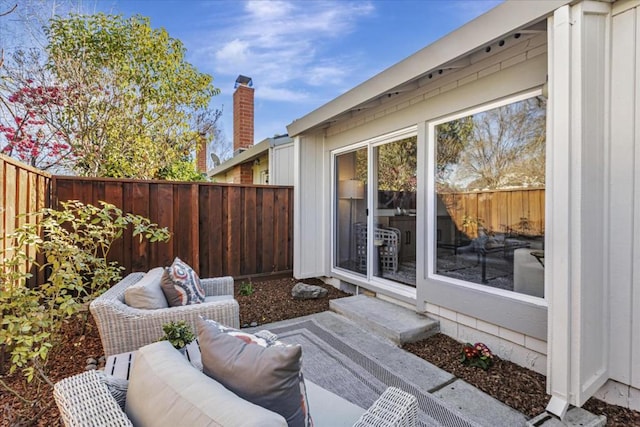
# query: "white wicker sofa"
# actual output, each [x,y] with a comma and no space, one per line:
[123,328]
[166,390]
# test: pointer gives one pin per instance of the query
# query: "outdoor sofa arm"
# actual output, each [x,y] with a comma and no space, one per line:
[217,286]
[394,408]
[85,400]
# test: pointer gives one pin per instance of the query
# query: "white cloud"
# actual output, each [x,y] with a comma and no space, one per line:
[236,51]
[282,45]
[280,94]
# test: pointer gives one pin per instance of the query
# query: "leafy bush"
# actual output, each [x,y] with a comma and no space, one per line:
[74,243]
[179,334]
[246,289]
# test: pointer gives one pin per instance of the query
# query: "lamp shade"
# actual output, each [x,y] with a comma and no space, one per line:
[351,189]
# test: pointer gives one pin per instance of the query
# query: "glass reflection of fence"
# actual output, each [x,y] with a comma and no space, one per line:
[510,212]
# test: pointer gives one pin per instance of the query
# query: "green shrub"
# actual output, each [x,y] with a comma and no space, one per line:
[246,289]
[179,334]
[74,243]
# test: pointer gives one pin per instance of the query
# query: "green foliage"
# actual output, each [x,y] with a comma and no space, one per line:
[184,170]
[73,244]
[246,289]
[399,165]
[133,98]
[179,334]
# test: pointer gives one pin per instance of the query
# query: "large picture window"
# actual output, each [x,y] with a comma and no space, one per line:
[490,197]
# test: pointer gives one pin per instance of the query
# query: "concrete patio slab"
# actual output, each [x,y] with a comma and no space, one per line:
[479,406]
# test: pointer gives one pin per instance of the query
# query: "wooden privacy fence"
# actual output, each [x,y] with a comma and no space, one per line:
[23,190]
[219,229]
[500,211]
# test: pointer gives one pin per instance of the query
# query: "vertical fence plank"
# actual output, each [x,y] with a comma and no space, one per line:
[234,226]
[22,189]
[267,247]
[249,218]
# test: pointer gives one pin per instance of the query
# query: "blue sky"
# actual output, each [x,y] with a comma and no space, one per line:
[300,54]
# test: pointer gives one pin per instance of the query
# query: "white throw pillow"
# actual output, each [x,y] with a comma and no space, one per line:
[147,293]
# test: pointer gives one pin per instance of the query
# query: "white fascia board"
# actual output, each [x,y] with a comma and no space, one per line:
[498,22]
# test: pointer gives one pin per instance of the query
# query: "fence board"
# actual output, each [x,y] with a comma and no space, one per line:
[499,211]
[23,190]
[219,229]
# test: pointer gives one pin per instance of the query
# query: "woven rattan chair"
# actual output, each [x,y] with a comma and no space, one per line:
[124,329]
[85,400]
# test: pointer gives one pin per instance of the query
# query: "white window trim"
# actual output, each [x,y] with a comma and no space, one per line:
[430,231]
[368,280]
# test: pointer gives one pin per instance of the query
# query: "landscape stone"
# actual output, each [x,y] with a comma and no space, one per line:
[304,291]
[90,367]
[92,361]
[254,324]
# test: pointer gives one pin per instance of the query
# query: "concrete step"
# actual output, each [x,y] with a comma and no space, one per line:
[398,324]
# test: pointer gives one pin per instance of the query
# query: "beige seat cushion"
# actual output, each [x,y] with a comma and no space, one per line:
[147,293]
[165,390]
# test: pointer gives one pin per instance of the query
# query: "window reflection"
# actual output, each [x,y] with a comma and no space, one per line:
[489,183]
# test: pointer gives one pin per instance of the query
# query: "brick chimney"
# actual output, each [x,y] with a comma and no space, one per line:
[201,154]
[242,114]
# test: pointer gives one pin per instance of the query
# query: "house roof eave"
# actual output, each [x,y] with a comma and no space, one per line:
[248,155]
[503,19]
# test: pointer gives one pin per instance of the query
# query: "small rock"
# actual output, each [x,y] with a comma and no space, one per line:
[254,324]
[245,325]
[102,359]
[304,291]
[90,367]
[92,361]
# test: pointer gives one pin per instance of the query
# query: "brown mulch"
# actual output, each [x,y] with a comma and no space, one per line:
[271,301]
[518,387]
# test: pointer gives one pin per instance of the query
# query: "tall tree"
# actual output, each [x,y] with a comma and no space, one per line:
[506,147]
[134,95]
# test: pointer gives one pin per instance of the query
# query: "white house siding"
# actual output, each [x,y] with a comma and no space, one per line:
[508,344]
[623,232]
[309,208]
[281,164]
[519,66]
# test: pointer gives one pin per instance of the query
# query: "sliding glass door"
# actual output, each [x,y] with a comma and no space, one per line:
[385,246]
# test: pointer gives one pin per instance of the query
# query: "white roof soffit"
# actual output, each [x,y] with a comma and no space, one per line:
[506,18]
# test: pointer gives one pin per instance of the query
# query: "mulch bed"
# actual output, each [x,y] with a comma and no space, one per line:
[271,301]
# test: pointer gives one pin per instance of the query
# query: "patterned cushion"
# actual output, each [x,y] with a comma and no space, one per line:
[147,293]
[181,285]
[267,374]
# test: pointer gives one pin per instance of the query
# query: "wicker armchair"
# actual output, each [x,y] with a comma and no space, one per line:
[123,328]
[85,400]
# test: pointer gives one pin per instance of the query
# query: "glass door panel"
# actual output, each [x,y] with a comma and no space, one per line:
[351,211]
[394,234]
